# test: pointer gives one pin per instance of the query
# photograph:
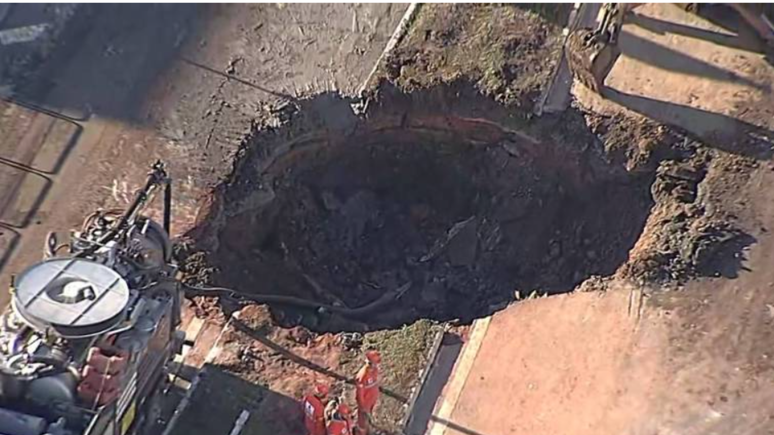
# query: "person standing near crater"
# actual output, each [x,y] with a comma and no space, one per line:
[314,406]
[339,420]
[367,390]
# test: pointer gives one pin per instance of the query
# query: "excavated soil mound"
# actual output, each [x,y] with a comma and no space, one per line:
[425,215]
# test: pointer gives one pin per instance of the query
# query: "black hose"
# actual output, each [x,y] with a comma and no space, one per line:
[356,313]
[168,208]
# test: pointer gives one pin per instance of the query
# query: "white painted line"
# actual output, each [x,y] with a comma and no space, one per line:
[397,35]
[216,348]
[23,34]
[768,23]
[240,422]
[460,376]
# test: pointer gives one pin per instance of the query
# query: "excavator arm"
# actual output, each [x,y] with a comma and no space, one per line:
[591,53]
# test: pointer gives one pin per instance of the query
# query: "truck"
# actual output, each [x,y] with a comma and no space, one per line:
[87,341]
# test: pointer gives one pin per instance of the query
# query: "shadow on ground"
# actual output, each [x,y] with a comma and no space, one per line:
[665,58]
[220,398]
[108,57]
[716,130]
[661,27]
[723,256]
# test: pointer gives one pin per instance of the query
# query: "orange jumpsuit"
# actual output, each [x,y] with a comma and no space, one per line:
[367,394]
[314,415]
[339,425]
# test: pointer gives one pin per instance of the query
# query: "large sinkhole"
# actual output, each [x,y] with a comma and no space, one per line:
[405,214]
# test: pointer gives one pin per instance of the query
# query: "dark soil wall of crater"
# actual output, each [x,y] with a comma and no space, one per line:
[465,211]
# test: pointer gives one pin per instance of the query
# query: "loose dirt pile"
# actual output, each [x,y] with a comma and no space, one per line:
[692,230]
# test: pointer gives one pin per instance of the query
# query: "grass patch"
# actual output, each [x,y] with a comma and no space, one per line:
[404,354]
[556,13]
[508,51]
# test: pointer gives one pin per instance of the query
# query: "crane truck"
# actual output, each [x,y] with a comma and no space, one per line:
[91,329]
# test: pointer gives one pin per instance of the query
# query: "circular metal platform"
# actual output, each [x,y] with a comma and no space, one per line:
[72,296]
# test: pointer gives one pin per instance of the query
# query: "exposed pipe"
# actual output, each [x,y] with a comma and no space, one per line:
[168,209]
[355,313]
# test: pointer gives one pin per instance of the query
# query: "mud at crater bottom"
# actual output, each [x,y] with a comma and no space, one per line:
[458,225]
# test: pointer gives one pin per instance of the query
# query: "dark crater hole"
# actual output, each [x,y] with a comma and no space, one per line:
[462,214]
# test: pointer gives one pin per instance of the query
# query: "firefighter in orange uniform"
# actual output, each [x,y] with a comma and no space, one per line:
[340,422]
[314,406]
[367,390]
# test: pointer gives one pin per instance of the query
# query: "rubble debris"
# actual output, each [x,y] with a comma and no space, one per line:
[678,180]
[462,252]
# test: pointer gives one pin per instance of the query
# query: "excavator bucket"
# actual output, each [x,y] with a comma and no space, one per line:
[591,53]
[590,58]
